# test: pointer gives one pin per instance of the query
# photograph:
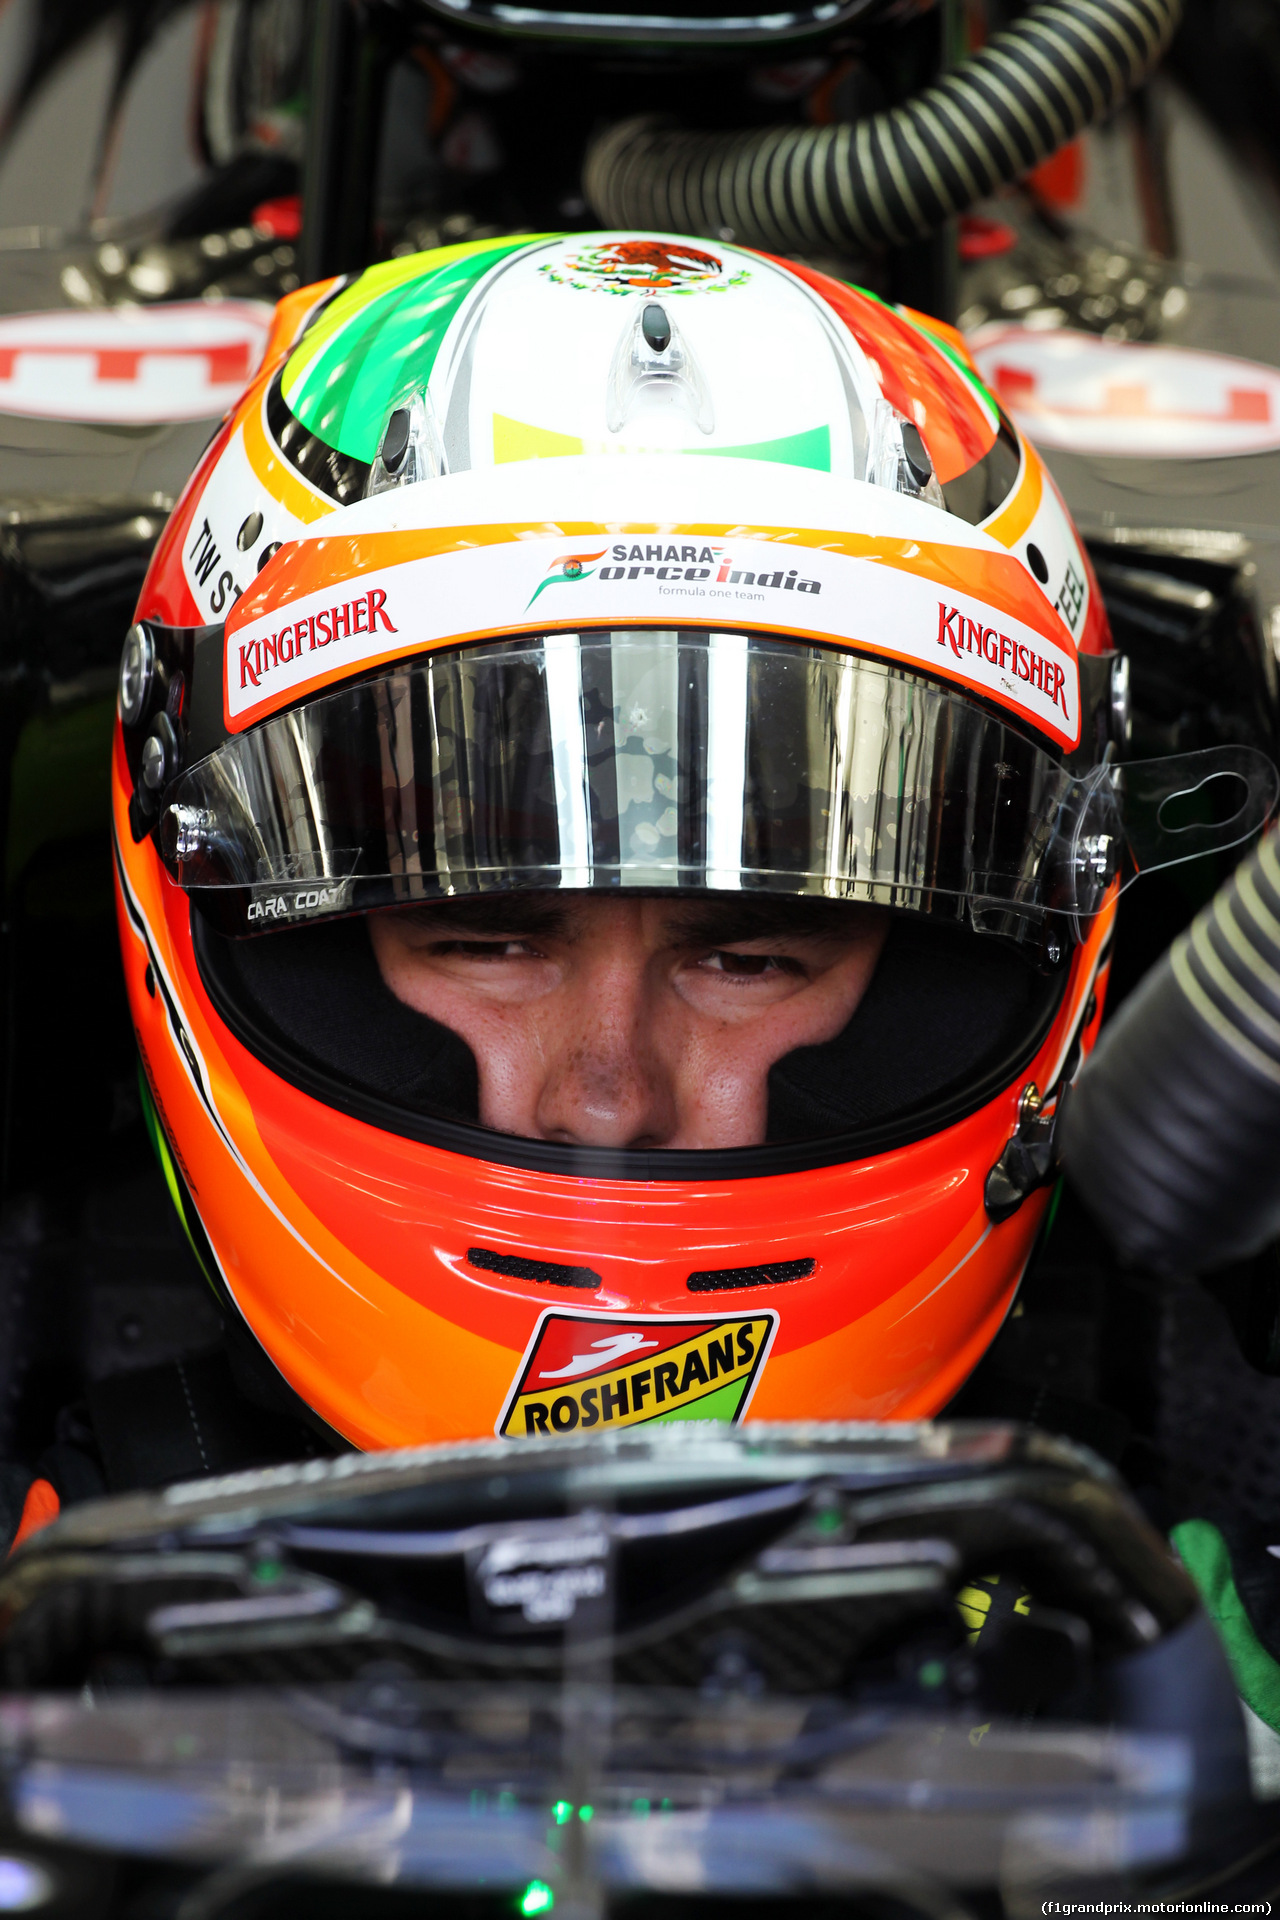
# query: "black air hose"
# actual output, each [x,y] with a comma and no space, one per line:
[898,175]
[1172,1135]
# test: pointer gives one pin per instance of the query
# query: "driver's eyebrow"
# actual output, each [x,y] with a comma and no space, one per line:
[726,923]
[493,914]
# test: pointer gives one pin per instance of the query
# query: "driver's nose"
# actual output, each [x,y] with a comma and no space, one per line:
[605,1084]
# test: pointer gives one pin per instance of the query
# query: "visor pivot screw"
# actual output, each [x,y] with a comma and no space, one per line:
[137,673]
[656,328]
[153,764]
[1030,1101]
[573,569]
[395,441]
[249,532]
[269,553]
[1038,564]
[159,754]
[916,454]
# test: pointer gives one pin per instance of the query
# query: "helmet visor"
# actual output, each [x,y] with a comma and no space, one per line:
[650,759]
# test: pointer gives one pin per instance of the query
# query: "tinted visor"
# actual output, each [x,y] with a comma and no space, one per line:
[685,759]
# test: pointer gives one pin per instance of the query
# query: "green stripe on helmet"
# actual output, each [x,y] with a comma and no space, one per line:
[378,341]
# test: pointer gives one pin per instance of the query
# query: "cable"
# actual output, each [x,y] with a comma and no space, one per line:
[897,175]
[1172,1135]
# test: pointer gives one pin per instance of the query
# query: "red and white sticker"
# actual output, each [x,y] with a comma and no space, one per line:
[528,585]
[1116,397]
[188,361]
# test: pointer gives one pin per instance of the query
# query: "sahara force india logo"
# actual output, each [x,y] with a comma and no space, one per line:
[565,570]
[583,1371]
[669,563]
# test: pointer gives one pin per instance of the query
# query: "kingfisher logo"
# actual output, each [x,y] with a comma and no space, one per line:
[1027,663]
[570,567]
[584,1371]
[269,652]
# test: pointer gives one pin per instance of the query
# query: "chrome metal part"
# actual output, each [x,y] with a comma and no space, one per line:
[137,673]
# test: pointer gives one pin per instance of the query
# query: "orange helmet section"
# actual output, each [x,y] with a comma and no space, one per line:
[337,1239]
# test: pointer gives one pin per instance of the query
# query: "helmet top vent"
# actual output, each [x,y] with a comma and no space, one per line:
[395,441]
[517,1266]
[722,1279]
[656,327]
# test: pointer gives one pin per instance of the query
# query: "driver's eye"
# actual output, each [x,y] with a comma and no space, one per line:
[485,949]
[747,963]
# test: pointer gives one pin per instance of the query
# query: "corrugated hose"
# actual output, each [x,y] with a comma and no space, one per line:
[897,175]
[1172,1135]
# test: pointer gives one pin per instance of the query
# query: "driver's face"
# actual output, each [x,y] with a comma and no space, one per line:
[599,1021]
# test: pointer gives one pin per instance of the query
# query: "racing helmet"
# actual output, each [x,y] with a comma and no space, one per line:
[627,581]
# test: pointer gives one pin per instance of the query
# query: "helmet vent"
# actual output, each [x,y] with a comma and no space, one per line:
[411,448]
[547,1272]
[395,441]
[722,1279]
[655,383]
[656,327]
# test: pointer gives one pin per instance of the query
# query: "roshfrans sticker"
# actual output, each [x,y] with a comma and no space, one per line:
[1114,397]
[601,1371]
[188,361]
[671,580]
[643,266]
